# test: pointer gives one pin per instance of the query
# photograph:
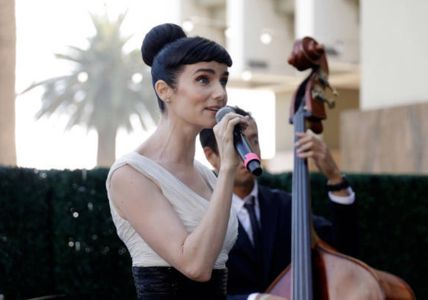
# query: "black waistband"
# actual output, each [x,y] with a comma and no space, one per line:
[168,283]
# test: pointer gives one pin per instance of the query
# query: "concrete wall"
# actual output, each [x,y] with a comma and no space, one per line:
[348,99]
[394,52]
[388,133]
[390,140]
[283,128]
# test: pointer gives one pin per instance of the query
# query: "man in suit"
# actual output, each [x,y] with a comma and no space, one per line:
[260,255]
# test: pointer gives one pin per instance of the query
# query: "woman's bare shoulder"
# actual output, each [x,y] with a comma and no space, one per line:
[127,182]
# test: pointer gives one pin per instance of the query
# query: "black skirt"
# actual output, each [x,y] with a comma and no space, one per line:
[162,283]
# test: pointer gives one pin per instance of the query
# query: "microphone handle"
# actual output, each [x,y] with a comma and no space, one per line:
[250,159]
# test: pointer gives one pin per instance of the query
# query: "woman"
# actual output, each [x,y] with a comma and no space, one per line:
[170,211]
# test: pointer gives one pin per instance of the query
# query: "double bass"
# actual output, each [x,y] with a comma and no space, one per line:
[318,271]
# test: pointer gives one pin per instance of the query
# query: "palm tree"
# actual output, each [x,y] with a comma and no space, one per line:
[7,82]
[106,87]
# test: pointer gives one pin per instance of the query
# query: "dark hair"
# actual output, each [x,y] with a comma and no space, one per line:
[207,138]
[166,48]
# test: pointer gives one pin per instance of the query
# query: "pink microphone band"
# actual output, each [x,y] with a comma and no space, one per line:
[249,157]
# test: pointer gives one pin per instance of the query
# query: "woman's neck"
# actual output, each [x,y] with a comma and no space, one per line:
[171,143]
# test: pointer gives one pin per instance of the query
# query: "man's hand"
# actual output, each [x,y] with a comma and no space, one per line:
[309,145]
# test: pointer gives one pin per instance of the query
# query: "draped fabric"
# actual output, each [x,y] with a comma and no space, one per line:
[190,208]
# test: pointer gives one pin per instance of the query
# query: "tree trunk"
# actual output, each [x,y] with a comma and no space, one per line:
[7,82]
[106,153]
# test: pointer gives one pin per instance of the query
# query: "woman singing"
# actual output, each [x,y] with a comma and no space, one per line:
[171,212]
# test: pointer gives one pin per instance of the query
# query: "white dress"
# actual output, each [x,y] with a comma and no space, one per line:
[189,206]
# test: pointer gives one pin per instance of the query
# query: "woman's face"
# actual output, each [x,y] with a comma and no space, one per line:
[200,92]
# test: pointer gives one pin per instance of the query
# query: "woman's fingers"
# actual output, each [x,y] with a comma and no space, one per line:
[224,136]
[229,122]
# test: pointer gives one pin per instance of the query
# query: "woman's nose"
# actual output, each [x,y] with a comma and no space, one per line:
[220,92]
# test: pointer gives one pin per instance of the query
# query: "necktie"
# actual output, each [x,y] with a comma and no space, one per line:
[250,207]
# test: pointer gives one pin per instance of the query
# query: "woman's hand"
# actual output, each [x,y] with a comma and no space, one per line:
[223,132]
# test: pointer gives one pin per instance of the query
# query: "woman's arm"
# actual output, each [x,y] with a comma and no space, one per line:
[142,203]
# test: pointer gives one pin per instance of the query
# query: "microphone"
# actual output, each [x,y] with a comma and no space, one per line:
[250,159]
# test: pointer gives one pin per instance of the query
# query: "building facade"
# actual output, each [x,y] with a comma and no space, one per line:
[376,53]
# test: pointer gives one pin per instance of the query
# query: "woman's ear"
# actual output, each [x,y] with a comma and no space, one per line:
[163,90]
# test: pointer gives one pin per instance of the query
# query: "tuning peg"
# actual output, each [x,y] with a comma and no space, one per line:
[316,94]
[324,81]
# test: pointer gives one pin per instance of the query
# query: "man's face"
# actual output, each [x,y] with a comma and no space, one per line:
[243,176]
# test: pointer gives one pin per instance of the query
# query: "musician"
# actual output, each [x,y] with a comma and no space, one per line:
[253,267]
[171,212]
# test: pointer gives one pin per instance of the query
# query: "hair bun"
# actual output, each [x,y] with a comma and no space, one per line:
[157,38]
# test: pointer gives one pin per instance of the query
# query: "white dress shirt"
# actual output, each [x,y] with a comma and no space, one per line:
[244,217]
[242,212]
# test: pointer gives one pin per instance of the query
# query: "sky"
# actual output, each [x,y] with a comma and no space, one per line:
[46,27]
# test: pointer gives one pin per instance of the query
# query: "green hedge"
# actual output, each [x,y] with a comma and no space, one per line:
[57,236]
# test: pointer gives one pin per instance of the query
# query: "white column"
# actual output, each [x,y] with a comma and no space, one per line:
[304,18]
[235,33]
[334,23]
[248,20]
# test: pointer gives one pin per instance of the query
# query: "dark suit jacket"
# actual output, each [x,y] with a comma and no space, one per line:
[246,275]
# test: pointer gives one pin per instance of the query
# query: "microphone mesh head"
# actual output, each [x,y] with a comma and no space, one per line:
[222,112]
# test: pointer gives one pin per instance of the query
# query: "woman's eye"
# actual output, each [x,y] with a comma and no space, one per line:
[203,79]
[224,81]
